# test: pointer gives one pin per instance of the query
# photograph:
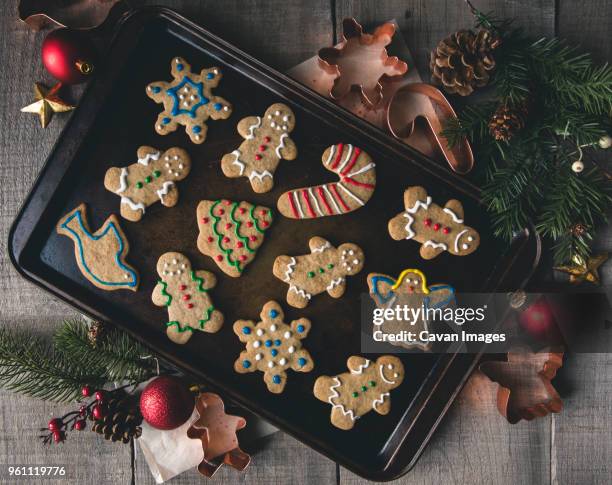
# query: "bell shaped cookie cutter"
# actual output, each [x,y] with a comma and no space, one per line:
[360,62]
[425,101]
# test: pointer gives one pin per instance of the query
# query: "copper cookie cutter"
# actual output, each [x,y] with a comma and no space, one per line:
[361,56]
[427,102]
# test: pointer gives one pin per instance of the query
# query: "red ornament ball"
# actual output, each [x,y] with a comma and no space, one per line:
[538,320]
[55,424]
[166,402]
[68,55]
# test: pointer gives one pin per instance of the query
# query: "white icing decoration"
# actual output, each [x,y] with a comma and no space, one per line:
[240,164]
[281,145]
[300,292]
[148,157]
[334,394]
[272,328]
[435,245]
[331,154]
[453,215]
[272,124]
[408,226]
[367,168]
[291,349]
[359,370]
[329,196]
[457,239]
[277,113]
[122,181]
[322,247]
[382,375]
[259,332]
[132,204]
[285,118]
[345,161]
[258,356]
[465,246]
[420,204]
[256,344]
[252,128]
[259,175]
[287,335]
[316,202]
[164,189]
[334,283]
[380,400]
[289,270]
[283,361]
[270,364]
[296,199]
[359,201]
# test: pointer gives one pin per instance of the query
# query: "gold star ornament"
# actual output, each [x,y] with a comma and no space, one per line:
[47,103]
[581,270]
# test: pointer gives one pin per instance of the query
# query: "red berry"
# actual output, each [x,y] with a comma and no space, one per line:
[257,156]
[97,412]
[436,227]
[183,287]
[86,391]
[80,425]
[239,244]
[262,148]
[190,305]
[99,395]
[427,222]
[205,220]
[55,424]
[219,257]
[186,297]
[58,436]
[446,230]
[267,139]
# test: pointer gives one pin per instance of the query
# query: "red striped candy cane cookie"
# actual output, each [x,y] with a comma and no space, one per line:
[354,187]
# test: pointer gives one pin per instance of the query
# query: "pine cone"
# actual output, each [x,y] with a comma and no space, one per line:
[464,61]
[507,121]
[578,229]
[96,333]
[122,419]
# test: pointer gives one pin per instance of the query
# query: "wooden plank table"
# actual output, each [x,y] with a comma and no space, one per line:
[473,444]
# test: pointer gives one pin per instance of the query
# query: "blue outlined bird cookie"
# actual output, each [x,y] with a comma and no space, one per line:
[101,256]
[188,100]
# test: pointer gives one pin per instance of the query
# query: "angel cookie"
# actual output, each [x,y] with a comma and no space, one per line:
[409,290]
[324,269]
[185,292]
[188,100]
[437,228]
[272,346]
[217,431]
[266,143]
[355,185]
[365,387]
[231,232]
[152,178]
[101,255]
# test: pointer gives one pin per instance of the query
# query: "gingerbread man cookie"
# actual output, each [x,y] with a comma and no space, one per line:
[409,290]
[366,387]
[354,187]
[266,143]
[152,178]
[231,232]
[324,269]
[101,255]
[437,228]
[188,100]
[185,292]
[217,431]
[272,346]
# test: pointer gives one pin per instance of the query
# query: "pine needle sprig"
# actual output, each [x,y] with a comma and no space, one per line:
[117,357]
[28,365]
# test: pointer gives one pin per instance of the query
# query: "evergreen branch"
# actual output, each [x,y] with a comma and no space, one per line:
[118,357]
[28,365]
[570,245]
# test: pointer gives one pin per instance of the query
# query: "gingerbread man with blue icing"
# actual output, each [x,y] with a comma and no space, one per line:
[188,100]
[273,347]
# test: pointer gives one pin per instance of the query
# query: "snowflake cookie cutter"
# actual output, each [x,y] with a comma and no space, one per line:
[356,51]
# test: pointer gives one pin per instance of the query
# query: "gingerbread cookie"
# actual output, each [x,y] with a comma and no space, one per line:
[185,292]
[324,269]
[101,255]
[272,346]
[152,178]
[188,100]
[266,143]
[437,228]
[231,232]
[217,431]
[356,183]
[366,387]
[409,290]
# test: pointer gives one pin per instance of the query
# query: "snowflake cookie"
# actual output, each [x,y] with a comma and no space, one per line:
[366,387]
[324,269]
[185,292]
[188,100]
[272,346]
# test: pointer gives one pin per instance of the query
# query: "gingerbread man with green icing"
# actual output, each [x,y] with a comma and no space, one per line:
[185,292]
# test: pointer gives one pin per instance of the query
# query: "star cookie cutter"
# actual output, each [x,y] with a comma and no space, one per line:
[425,101]
[74,14]
[525,389]
[361,62]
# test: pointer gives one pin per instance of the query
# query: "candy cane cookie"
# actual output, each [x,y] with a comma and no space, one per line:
[356,183]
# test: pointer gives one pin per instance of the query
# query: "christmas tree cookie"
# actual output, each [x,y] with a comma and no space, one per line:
[185,292]
[188,100]
[272,346]
[231,232]
[364,388]
[324,269]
